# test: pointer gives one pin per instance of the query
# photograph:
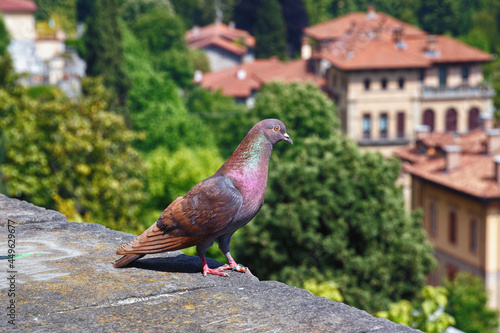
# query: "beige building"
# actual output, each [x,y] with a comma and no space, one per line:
[387,77]
[456,182]
[19,19]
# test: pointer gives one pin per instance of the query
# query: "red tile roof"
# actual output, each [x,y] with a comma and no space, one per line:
[253,75]
[357,42]
[474,176]
[218,34]
[17,6]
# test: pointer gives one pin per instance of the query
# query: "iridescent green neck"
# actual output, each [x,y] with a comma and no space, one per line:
[252,152]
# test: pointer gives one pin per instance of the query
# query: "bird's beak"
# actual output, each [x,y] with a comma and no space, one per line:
[288,139]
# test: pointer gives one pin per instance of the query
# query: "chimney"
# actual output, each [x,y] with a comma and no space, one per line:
[232,25]
[398,37]
[452,157]
[370,11]
[496,164]
[493,140]
[305,50]
[241,74]
[487,120]
[196,30]
[198,76]
[431,49]
[421,132]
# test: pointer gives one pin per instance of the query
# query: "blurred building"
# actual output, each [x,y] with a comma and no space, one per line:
[244,81]
[455,180]
[224,45]
[44,59]
[388,76]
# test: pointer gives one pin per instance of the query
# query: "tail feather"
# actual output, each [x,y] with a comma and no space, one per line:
[127,259]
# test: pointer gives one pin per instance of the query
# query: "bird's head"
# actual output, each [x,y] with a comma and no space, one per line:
[274,130]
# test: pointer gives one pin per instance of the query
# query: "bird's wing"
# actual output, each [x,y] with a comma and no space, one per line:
[204,211]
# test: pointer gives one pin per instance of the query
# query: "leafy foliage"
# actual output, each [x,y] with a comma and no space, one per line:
[4,37]
[57,149]
[160,31]
[467,303]
[229,122]
[328,289]
[304,108]
[270,31]
[425,314]
[156,107]
[131,9]
[104,48]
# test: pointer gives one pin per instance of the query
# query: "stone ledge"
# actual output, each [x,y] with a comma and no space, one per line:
[65,282]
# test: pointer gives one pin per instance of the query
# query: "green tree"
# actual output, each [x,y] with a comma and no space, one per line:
[333,213]
[64,11]
[160,31]
[228,121]
[103,43]
[270,30]
[304,108]
[156,106]
[467,303]
[62,153]
[131,9]
[4,37]
[425,313]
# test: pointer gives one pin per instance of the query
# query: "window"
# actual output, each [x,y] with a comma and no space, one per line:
[428,119]
[432,220]
[383,83]
[367,126]
[442,76]
[451,120]
[401,125]
[367,84]
[452,236]
[383,125]
[465,74]
[473,236]
[401,83]
[473,119]
[421,75]
[451,271]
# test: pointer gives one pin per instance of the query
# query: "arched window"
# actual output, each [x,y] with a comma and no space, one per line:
[451,120]
[367,84]
[401,83]
[383,83]
[452,228]
[473,119]
[428,119]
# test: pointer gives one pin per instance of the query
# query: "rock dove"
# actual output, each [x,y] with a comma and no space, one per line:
[216,207]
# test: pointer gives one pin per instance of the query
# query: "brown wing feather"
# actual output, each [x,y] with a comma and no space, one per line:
[204,211]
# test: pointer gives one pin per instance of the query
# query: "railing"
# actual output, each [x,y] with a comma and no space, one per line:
[482,90]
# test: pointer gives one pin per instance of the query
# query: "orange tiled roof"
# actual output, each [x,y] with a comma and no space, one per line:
[357,42]
[253,75]
[474,176]
[218,34]
[17,6]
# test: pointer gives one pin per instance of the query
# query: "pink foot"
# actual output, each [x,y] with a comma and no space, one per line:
[213,271]
[235,267]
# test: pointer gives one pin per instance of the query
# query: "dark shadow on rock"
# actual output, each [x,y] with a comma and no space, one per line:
[174,264]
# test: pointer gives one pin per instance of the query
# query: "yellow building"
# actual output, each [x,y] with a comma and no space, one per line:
[388,76]
[455,180]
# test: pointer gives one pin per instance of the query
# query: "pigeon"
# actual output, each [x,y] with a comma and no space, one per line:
[217,206]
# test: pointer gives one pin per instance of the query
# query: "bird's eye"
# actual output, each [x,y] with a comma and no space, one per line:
[277,128]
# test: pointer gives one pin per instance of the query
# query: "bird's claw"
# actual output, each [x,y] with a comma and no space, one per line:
[235,267]
[215,271]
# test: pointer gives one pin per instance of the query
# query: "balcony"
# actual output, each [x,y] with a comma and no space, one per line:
[460,92]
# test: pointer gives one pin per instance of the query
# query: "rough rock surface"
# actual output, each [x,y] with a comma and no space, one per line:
[65,283]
